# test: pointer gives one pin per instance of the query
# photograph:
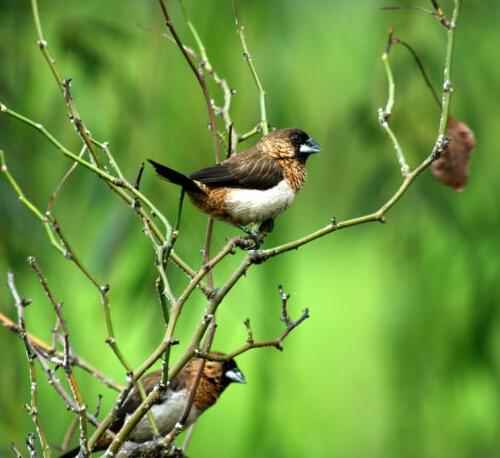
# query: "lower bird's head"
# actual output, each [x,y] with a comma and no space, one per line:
[289,144]
[222,373]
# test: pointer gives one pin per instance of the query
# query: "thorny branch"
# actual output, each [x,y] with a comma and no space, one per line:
[163,242]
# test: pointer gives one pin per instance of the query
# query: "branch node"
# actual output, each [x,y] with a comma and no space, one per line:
[440,147]
[250,339]
[104,288]
[256,256]
[383,117]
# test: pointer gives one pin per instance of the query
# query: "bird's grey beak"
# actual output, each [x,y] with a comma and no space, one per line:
[309,147]
[235,375]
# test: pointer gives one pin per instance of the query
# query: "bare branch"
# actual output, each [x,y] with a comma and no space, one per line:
[24,200]
[179,427]
[32,408]
[68,370]
[264,126]
[15,450]
[385,114]
[57,357]
[30,445]
[198,75]
[63,180]
[420,66]
[252,344]
[69,433]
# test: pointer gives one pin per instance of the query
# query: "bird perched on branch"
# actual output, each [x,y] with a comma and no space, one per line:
[170,408]
[253,186]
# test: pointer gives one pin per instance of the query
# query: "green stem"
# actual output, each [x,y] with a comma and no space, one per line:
[264,127]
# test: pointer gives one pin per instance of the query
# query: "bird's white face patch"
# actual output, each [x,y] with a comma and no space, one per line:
[248,206]
[166,415]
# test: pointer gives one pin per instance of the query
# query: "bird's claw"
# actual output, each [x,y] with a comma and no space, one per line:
[253,240]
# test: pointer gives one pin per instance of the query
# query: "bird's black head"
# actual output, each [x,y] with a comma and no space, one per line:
[232,373]
[290,144]
[303,143]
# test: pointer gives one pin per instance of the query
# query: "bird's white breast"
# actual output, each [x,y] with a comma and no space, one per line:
[166,415]
[254,206]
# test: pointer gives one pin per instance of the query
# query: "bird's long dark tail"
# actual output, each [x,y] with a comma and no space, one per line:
[175,177]
[71,453]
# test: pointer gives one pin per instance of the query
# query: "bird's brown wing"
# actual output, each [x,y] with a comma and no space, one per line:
[248,170]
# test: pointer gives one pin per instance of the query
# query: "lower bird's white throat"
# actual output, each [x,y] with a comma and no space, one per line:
[253,205]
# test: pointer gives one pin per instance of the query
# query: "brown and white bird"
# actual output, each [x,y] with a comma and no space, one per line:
[253,186]
[215,378]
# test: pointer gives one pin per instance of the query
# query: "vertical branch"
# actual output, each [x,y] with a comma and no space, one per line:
[198,75]
[75,390]
[385,114]
[447,81]
[67,366]
[207,67]
[264,127]
[32,408]
[30,445]
[69,433]
[205,348]
[206,251]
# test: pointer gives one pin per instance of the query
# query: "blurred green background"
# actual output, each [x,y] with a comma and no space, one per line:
[401,355]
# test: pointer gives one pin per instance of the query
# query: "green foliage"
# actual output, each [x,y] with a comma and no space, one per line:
[400,356]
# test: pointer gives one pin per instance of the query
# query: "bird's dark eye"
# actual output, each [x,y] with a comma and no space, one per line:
[298,138]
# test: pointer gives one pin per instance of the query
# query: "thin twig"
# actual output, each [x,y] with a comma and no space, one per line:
[441,16]
[57,190]
[68,369]
[50,353]
[15,450]
[206,250]
[421,67]
[264,127]
[205,348]
[225,109]
[116,185]
[277,343]
[25,201]
[32,408]
[249,134]
[30,445]
[385,114]
[60,390]
[198,75]
[69,433]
